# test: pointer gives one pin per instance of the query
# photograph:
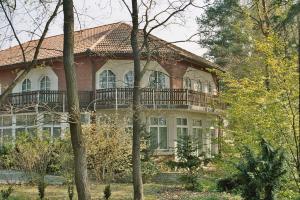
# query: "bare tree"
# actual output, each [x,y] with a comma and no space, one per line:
[81,176]
[150,22]
[28,62]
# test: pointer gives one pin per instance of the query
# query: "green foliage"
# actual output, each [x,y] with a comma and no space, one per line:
[257,173]
[5,193]
[189,161]
[148,165]
[107,192]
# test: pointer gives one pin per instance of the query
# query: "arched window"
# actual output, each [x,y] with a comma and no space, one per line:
[107,79]
[45,83]
[209,87]
[129,79]
[158,80]
[187,83]
[26,85]
[199,86]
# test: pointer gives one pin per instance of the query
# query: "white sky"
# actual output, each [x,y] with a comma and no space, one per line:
[96,13]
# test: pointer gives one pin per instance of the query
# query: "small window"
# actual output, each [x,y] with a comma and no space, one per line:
[158,133]
[26,85]
[45,83]
[158,80]
[187,83]
[129,79]
[107,79]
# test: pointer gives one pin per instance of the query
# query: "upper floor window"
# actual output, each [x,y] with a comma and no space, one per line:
[107,79]
[199,86]
[158,80]
[187,83]
[26,85]
[45,83]
[129,79]
[209,87]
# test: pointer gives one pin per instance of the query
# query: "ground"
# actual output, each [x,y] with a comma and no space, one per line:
[122,192]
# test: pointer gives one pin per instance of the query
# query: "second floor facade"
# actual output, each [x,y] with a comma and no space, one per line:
[108,80]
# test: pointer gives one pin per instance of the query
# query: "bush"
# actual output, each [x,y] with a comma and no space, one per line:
[189,161]
[107,192]
[5,193]
[228,184]
[258,174]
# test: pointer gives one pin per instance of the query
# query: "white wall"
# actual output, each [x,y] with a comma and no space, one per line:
[194,75]
[121,67]
[35,76]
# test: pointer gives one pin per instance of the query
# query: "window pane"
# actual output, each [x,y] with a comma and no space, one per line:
[178,133]
[47,130]
[184,131]
[19,132]
[153,137]
[129,79]
[178,121]
[162,121]
[56,132]
[7,136]
[32,131]
[21,120]
[7,121]
[197,123]
[184,121]
[31,120]
[163,138]
[154,121]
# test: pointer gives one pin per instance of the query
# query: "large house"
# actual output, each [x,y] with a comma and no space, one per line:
[179,95]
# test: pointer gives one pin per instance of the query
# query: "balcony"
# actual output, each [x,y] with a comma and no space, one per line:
[116,98]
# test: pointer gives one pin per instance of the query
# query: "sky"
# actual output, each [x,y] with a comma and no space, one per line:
[93,13]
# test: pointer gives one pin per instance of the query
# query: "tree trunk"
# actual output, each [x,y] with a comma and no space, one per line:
[81,177]
[136,107]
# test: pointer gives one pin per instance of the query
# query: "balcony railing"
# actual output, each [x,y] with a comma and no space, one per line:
[119,98]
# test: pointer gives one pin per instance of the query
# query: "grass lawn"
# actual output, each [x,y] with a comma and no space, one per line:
[121,192]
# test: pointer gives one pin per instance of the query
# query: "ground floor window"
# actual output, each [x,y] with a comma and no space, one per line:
[181,127]
[158,133]
[197,136]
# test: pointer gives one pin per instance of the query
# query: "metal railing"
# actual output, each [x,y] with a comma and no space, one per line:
[119,98]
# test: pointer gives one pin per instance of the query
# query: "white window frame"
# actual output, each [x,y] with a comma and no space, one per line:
[181,126]
[127,83]
[158,126]
[47,83]
[155,80]
[27,82]
[108,83]
[198,127]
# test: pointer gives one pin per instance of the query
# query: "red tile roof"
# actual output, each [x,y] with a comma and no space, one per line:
[111,39]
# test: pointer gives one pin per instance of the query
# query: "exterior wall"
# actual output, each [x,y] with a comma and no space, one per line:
[209,127]
[197,75]
[35,76]
[6,77]
[121,67]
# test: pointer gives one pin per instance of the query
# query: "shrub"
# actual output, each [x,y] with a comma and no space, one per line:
[189,161]
[107,192]
[5,193]
[228,184]
[257,173]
